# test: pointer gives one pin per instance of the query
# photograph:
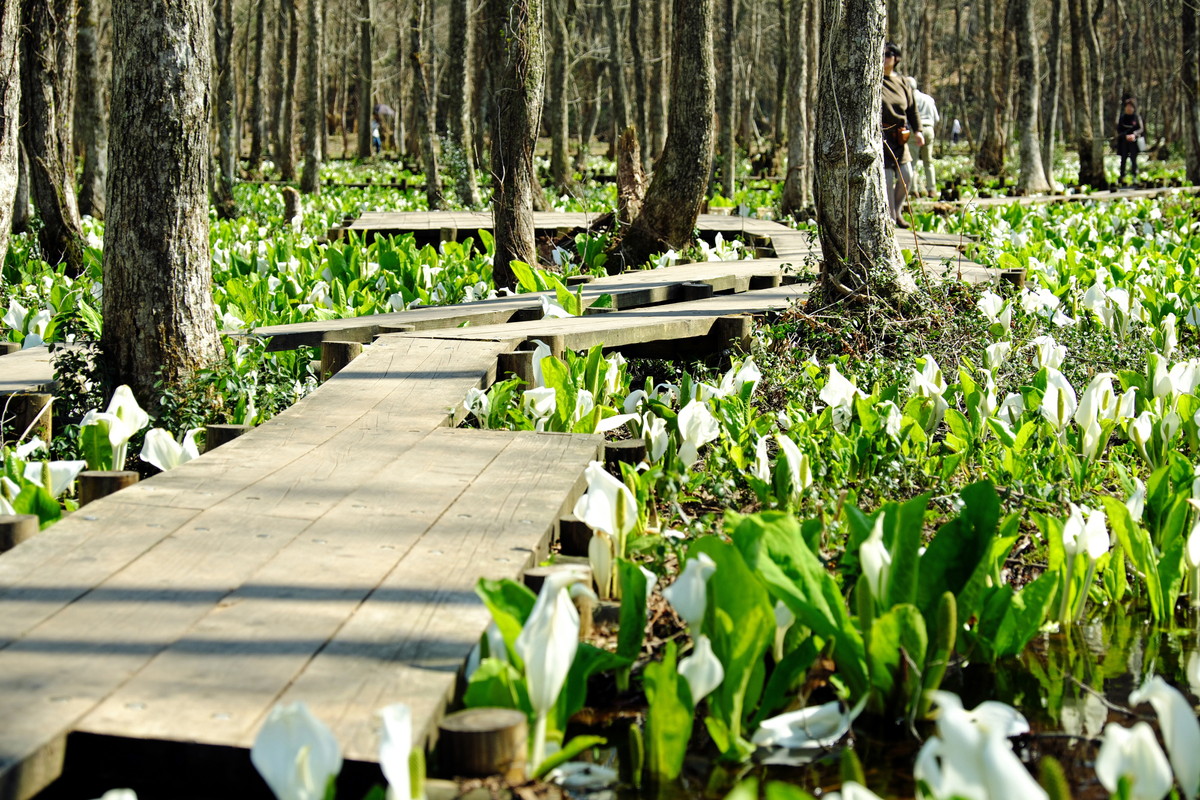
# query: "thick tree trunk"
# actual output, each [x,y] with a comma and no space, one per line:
[20,206]
[1084,62]
[366,98]
[10,115]
[658,79]
[1053,91]
[257,91]
[47,107]
[1033,177]
[314,116]
[518,69]
[457,146]
[726,148]
[424,106]
[159,320]
[783,47]
[858,242]
[640,117]
[287,110]
[278,78]
[989,158]
[797,186]
[226,111]
[616,67]
[91,127]
[1189,79]
[556,106]
[681,175]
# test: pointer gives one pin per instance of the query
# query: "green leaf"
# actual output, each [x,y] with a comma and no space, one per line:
[497,684]
[34,499]
[577,745]
[96,447]
[903,527]
[959,546]
[896,656]
[632,620]
[510,604]
[669,717]
[526,279]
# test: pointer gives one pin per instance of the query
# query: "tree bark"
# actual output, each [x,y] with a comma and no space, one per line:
[797,186]
[366,100]
[314,112]
[641,118]
[226,110]
[1190,84]
[681,175]
[989,158]
[424,106]
[10,115]
[556,105]
[1032,179]
[857,238]
[658,81]
[47,107]
[278,78]
[91,127]
[290,28]
[616,67]
[159,320]
[518,69]
[1053,90]
[458,146]
[726,148]
[1084,65]
[257,92]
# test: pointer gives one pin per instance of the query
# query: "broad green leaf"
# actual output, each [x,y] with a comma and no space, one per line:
[632,630]
[668,718]
[510,604]
[497,684]
[896,655]
[958,546]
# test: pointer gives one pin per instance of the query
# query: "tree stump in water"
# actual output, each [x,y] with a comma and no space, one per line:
[479,742]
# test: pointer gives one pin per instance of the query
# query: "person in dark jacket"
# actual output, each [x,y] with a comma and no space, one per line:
[1129,130]
[900,121]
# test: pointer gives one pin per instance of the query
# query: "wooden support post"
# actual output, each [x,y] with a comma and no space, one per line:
[579,280]
[519,363]
[336,355]
[16,528]
[628,451]
[448,234]
[592,311]
[479,742]
[695,290]
[734,331]
[535,577]
[1014,276]
[217,435]
[94,484]
[8,348]
[765,281]
[574,536]
[26,411]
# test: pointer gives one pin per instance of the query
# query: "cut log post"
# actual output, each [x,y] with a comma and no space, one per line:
[94,484]
[535,577]
[574,536]
[557,344]
[16,528]
[336,355]
[26,414]
[695,290]
[628,451]
[519,363]
[734,331]
[8,348]
[292,215]
[217,435]
[1014,276]
[448,234]
[479,742]
[766,281]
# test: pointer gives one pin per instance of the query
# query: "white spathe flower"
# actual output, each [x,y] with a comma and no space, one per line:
[600,559]
[876,561]
[1136,501]
[478,403]
[654,429]
[1140,431]
[816,726]
[928,382]
[697,427]
[738,376]
[996,354]
[688,595]
[633,400]
[799,468]
[163,451]
[1012,408]
[1180,730]
[839,393]
[395,749]
[702,670]
[295,753]
[54,476]
[1050,354]
[1098,402]
[541,351]
[1058,401]
[1133,752]
[125,406]
[852,791]
[761,468]
[541,403]
[995,308]
[784,619]
[118,794]
[608,505]
[551,309]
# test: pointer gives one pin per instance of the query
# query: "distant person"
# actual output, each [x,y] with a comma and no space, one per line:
[955,131]
[900,121]
[376,136]
[1129,130]
[927,111]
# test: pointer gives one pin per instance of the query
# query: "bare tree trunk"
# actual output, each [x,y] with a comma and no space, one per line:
[556,106]
[159,320]
[457,145]
[1053,90]
[1033,177]
[857,238]
[518,68]
[257,92]
[10,115]
[91,128]
[47,106]
[783,64]
[616,67]
[226,111]
[641,119]
[726,148]
[1189,79]
[681,175]
[287,109]
[366,98]
[424,108]
[797,186]
[278,79]
[658,81]
[314,114]
[1084,62]
[990,156]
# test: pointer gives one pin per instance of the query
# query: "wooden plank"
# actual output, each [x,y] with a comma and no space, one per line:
[27,370]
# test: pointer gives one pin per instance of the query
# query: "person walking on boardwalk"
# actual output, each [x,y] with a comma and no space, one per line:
[1129,130]
[900,120]
[927,111]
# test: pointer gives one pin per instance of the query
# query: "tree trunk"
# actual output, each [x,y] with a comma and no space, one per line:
[457,146]
[641,118]
[1053,90]
[314,114]
[290,28]
[681,175]
[10,114]
[226,110]
[20,207]
[424,107]
[518,68]
[366,100]
[784,43]
[797,186]
[616,67]
[278,77]
[1089,141]
[257,125]
[556,105]
[47,106]
[91,127]
[1189,78]
[989,158]
[159,320]
[658,80]
[858,242]
[1033,177]
[726,148]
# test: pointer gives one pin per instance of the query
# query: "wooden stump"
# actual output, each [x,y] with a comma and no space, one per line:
[578,280]
[217,435]
[16,528]
[519,363]
[696,290]
[8,348]
[1014,276]
[26,412]
[292,214]
[535,577]
[94,484]
[734,331]
[628,451]
[765,281]
[336,355]
[479,742]
[574,536]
